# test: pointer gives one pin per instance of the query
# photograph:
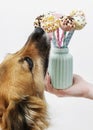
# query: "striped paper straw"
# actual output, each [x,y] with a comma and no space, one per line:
[68,38]
[61,39]
[58,38]
[64,38]
[54,39]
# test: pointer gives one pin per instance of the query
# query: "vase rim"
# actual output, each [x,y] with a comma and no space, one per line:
[60,50]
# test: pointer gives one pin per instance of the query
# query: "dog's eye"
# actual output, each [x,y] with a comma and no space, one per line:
[29,61]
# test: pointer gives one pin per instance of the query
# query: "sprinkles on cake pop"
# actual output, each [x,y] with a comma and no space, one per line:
[62,27]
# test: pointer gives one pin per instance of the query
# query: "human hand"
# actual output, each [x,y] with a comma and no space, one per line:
[79,88]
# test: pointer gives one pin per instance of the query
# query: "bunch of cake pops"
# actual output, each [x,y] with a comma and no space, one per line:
[61,27]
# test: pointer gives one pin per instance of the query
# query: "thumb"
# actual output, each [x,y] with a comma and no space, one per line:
[76,78]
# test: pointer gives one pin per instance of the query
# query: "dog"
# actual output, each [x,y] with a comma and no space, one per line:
[22,102]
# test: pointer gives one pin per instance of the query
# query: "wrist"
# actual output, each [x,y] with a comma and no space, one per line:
[89,93]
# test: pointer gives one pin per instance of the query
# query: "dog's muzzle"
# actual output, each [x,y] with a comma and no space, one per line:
[39,31]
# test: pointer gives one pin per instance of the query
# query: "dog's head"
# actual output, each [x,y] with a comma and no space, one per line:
[22,105]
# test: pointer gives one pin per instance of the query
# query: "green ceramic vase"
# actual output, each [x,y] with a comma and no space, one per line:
[60,67]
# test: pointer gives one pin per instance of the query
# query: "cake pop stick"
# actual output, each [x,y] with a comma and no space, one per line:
[65,32]
[58,38]
[54,39]
[61,39]
[68,37]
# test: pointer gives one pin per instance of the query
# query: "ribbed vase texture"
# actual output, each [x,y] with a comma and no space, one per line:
[60,67]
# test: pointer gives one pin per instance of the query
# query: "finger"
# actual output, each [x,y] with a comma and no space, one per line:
[49,87]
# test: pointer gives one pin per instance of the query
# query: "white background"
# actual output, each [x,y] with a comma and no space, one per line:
[16,24]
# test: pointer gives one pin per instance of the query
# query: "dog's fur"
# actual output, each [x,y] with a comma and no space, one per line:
[22,102]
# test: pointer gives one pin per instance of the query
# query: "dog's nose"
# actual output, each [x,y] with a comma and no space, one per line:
[39,30]
[37,34]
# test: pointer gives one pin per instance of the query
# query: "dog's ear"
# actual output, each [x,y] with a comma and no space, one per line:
[15,118]
[27,114]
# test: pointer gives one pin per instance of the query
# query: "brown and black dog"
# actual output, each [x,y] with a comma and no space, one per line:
[22,102]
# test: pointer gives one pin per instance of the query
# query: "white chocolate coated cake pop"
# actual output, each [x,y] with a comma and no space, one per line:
[79,18]
[50,23]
